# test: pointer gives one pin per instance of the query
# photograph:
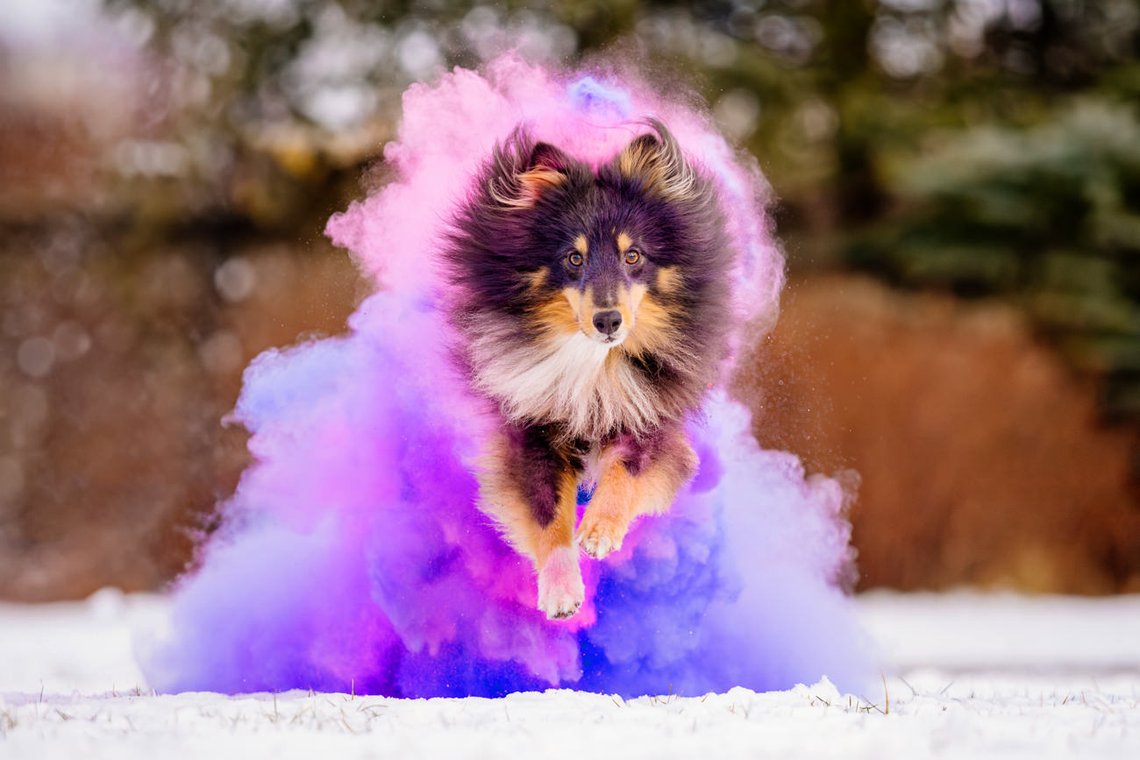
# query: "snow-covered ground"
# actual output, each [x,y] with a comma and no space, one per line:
[966,675]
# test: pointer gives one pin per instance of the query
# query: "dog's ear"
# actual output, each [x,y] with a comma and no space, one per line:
[656,162]
[548,168]
[545,157]
[523,171]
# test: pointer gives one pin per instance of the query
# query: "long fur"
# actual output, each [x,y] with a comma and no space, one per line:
[592,310]
[505,261]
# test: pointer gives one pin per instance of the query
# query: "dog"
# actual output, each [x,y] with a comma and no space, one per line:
[592,309]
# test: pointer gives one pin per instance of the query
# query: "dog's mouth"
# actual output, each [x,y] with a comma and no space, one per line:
[611,341]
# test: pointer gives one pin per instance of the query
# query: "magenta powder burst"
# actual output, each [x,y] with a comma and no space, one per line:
[352,555]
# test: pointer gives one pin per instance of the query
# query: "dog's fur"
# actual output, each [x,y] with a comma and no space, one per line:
[544,258]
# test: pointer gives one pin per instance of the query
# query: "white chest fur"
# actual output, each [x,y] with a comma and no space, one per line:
[571,379]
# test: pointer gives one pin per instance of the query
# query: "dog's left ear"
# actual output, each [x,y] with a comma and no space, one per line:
[655,161]
[522,171]
[547,168]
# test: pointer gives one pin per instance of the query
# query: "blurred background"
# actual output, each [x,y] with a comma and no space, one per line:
[958,187]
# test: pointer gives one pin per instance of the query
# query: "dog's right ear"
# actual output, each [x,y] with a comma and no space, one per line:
[656,163]
[523,171]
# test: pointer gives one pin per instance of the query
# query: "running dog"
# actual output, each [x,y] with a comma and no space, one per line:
[592,306]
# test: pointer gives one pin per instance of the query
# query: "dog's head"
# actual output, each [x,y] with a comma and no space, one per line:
[609,253]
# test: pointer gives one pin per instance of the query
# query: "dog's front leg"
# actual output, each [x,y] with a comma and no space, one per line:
[638,476]
[530,487]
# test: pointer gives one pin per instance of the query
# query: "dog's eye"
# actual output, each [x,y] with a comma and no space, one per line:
[632,256]
[575,259]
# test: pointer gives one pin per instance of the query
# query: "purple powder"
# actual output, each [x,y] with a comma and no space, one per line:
[352,555]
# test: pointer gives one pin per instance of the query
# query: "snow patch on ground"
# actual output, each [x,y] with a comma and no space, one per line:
[967,675]
[967,631]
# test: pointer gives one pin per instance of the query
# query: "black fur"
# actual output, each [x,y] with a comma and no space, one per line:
[531,203]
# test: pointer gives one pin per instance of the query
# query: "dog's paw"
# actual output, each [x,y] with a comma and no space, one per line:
[599,537]
[560,588]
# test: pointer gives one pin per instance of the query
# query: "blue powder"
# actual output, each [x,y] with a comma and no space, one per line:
[353,557]
[590,95]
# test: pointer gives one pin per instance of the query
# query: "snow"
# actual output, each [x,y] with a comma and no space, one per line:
[966,675]
[965,632]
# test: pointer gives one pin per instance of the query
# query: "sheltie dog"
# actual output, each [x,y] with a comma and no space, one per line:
[592,306]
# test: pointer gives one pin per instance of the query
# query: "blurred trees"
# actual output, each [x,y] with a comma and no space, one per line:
[166,170]
[1047,215]
[822,91]
[939,143]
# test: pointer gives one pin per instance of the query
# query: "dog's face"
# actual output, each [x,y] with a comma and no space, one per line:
[603,269]
[601,248]
[596,297]
[603,279]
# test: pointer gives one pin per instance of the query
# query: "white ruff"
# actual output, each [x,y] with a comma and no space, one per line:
[570,379]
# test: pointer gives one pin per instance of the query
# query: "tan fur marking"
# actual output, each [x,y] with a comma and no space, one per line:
[560,532]
[659,164]
[537,181]
[557,316]
[636,294]
[499,497]
[574,298]
[531,185]
[668,279]
[550,547]
[621,497]
[624,241]
[625,308]
[652,331]
[638,160]
[581,245]
[586,311]
[627,300]
[536,279]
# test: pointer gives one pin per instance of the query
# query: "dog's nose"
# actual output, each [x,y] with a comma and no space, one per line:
[607,322]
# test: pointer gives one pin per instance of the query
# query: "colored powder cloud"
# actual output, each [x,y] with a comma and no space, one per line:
[352,556]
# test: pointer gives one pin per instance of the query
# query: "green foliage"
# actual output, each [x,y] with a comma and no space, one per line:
[1047,216]
[961,144]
